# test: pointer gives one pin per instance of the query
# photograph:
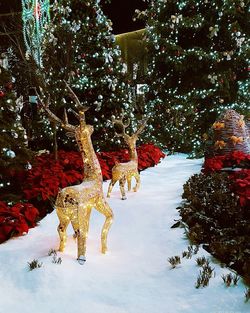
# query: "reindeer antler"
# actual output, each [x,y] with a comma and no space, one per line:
[120,124]
[80,106]
[82,109]
[141,127]
[53,117]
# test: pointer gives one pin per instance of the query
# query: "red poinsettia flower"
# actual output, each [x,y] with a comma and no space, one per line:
[47,175]
[238,156]
[16,220]
[213,165]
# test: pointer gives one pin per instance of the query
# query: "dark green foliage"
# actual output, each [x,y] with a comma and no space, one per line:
[34,264]
[247,294]
[230,279]
[80,48]
[52,252]
[201,261]
[174,261]
[14,153]
[204,275]
[55,259]
[24,70]
[215,219]
[198,66]
[191,250]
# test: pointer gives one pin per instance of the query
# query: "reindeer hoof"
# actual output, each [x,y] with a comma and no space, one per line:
[104,250]
[124,197]
[81,260]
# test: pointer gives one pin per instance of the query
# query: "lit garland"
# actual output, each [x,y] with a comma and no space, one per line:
[35,14]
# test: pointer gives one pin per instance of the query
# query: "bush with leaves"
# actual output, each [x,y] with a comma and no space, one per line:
[216,218]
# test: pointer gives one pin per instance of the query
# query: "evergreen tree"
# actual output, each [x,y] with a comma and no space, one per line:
[14,154]
[198,67]
[80,49]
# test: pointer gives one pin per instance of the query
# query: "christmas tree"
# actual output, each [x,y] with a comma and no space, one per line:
[80,49]
[198,67]
[14,154]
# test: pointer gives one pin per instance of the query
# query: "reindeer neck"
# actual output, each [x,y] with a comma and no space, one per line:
[133,154]
[131,142]
[92,168]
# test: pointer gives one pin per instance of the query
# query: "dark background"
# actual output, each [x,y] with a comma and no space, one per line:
[119,11]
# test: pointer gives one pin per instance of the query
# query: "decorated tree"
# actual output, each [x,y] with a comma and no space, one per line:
[22,49]
[14,154]
[80,49]
[198,67]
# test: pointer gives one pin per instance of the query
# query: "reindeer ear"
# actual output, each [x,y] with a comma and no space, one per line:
[70,134]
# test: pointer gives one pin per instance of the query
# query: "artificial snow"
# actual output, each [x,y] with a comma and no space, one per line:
[134,276]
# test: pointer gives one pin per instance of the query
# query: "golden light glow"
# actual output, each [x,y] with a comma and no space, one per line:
[74,203]
[123,172]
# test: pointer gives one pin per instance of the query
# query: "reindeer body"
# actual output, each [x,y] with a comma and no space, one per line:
[123,172]
[74,203]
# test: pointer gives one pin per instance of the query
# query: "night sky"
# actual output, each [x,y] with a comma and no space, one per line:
[119,11]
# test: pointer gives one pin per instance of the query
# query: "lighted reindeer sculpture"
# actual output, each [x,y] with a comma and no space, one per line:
[123,172]
[74,204]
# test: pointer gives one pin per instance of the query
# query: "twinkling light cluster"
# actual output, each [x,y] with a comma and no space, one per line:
[198,67]
[124,172]
[14,153]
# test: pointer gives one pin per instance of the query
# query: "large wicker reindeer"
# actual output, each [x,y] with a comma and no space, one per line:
[74,204]
[123,172]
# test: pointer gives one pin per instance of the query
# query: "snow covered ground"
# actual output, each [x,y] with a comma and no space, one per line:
[134,276]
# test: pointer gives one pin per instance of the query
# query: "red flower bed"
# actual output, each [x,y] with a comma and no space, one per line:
[241,186]
[232,160]
[16,220]
[240,178]
[48,175]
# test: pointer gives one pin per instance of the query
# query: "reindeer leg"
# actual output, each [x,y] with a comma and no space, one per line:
[64,222]
[83,222]
[75,226]
[122,182]
[138,181]
[104,208]
[129,178]
[111,185]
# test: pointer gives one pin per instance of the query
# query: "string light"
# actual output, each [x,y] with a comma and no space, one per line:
[89,60]
[198,66]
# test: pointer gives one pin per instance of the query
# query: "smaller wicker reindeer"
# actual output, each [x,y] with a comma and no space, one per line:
[123,172]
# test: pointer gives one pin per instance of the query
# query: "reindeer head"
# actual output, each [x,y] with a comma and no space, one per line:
[120,130]
[82,130]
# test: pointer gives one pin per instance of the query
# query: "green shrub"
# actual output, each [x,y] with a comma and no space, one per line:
[215,219]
